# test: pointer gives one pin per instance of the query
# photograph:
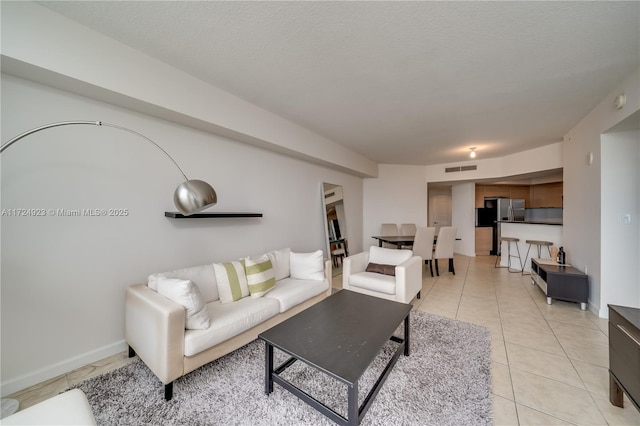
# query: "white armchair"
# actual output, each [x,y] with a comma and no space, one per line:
[401,287]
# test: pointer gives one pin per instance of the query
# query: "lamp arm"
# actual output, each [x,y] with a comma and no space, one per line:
[190,197]
[94,123]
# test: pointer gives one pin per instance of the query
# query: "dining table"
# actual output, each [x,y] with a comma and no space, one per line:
[400,240]
[397,240]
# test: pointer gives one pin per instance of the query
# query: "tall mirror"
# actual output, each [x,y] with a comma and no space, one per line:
[335,225]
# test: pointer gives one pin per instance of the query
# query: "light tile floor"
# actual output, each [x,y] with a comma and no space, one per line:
[549,362]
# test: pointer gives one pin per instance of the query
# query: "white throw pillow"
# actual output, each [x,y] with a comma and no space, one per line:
[307,266]
[260,275]
[203,276]
[387,256]
[231,280]
[187,294]
[280,261]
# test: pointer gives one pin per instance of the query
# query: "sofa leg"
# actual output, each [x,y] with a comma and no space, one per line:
[132,353]
[168,391]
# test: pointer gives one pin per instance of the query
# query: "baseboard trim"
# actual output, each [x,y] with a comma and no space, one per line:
[15,385]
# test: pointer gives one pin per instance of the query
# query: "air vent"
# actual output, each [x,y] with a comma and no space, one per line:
[460,169]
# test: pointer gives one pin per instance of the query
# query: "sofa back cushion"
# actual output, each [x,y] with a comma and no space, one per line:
[203,276]
[232,281]
[386,256]
[280,261]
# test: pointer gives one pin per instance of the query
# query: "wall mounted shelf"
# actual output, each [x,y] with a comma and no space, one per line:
[176,215]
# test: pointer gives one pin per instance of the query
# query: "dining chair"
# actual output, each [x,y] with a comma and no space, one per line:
[408,229]
[389,230]
[444,246]
[423,245]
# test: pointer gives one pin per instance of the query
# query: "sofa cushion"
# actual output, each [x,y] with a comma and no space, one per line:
[232,281]
[281,263]
[307,266]
[229,320]
[260,275]
[386,256]
[373,281]
[291,292]
[203,276]
[186,293]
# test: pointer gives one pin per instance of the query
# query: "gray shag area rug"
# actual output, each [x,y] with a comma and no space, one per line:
[446,380]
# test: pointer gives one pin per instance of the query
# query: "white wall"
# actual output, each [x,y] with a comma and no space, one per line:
[63,279]
[582,233]
[620,154]
[463,217]
[398,195]
[548,157]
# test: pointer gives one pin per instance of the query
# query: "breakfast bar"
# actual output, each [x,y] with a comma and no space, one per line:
[529,230]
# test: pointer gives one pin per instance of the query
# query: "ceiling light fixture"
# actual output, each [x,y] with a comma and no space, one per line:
[473,152]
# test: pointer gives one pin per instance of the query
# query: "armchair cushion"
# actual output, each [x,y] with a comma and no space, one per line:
[385,256]
[375,282]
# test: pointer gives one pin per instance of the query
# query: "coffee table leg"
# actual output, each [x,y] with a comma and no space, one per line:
[352,410]
[406,336]
[268,368]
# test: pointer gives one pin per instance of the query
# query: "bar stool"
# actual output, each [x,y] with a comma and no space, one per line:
[509,240]
[539,244]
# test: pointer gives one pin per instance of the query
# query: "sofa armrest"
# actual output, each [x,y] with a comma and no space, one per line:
[155,329]
[352,265]
[408,279]
[328,275]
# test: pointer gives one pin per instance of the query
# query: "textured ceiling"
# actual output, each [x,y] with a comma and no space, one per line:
[398,82]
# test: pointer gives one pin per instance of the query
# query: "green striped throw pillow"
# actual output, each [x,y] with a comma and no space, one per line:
[260,275]
[231,280]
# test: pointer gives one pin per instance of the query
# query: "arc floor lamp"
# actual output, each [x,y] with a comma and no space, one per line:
[190,197]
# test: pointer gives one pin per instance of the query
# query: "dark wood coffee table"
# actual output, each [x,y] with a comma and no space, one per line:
[340,336]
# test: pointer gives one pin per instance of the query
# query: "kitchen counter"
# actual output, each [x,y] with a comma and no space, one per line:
[546,231]
[535,222]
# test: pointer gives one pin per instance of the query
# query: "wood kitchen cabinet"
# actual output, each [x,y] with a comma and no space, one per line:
[503,191]
[534,196]
[546,195]
[522,192]
[496,191]
[484,241]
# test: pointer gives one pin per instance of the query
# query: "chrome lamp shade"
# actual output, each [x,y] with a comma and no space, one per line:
[191,196]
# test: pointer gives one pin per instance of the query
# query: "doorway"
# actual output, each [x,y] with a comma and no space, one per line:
[439,210]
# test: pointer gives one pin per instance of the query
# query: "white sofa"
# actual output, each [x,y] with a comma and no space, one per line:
[156,325]
[399,278]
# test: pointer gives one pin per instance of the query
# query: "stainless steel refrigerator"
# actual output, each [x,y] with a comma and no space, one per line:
[504,210]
